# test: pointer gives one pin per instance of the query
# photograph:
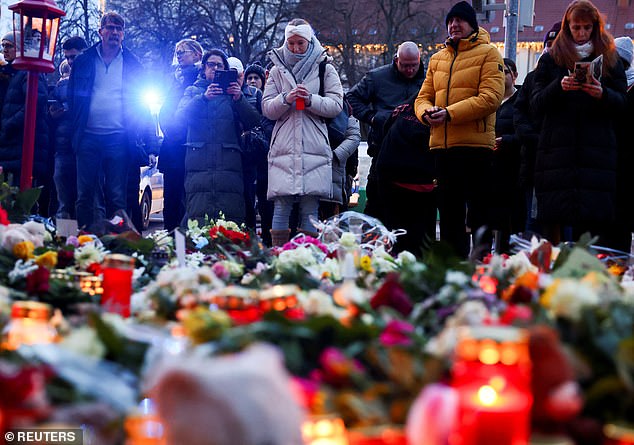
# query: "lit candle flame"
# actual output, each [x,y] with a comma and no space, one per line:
[487,395]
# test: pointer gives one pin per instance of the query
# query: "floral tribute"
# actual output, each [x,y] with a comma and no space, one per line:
[362,331]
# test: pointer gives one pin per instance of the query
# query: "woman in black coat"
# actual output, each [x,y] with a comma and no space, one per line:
[188,54]
[508,209]
[215,119]
[575,166]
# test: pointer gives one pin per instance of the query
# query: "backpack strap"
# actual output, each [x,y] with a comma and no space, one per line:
[322,73]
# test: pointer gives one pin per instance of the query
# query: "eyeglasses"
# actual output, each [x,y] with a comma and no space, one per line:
[507,72]
[8,45]
[70,57]
[183,52]
[220,66]
[113,28]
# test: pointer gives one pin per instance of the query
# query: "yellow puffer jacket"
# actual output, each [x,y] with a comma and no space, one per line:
[469,83]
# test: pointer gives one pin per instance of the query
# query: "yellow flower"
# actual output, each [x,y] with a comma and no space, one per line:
[47,259]
[549,292]
[365,263]
[23,250]
[83,239]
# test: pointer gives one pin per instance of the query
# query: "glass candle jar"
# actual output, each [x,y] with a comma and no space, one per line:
[117,283]
[29,325]
[491,375]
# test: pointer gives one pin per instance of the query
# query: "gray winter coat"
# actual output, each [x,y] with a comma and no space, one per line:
[300,158]
[340,155]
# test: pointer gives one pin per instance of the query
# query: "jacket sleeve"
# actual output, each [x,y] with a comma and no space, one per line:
[426,96]
[522,117]
[351,142]
[360,97]
[191,103]
[547,91]
[490,91]
[331,103]
[249,116]
[273,105]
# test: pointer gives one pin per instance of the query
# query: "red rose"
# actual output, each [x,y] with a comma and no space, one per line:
[37,281]
[392,294]
[65,258]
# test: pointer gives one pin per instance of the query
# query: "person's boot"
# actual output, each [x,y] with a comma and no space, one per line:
[280,237]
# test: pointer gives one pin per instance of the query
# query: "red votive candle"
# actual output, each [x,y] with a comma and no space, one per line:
[300,104]
[117,284]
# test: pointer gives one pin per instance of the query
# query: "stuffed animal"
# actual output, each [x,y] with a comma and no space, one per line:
[243,398]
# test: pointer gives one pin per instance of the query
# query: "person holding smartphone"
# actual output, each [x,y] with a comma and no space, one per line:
[576,158]
[300,157]
[458,102]
[215,115]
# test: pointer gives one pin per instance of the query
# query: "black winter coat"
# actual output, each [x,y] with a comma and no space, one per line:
[376,95]
[174,133]
[508,199]
[526,123]
[405,156]
[575,165]
[12,129]
[213,161]
[63,129]
[625,181]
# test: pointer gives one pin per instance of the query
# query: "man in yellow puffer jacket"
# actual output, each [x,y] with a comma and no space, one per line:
[463,88]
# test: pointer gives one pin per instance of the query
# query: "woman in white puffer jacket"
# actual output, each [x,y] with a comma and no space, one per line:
[300,157]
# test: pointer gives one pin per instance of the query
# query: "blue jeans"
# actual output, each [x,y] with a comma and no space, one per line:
[308,205]
[105,156]
[65,178]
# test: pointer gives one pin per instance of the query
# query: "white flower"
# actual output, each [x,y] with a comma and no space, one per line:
[406,258]
[194,259]
[520,264]
[382,261]
[301,256]
[161,238]
[138,273]
[21,269]
[182,281]
[88,254]
[235,269]
[317,302]
[348,240]
[85,341]
[470,313]
[456,277]
[570,296]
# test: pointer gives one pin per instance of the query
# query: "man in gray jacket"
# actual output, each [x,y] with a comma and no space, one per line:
[374,98]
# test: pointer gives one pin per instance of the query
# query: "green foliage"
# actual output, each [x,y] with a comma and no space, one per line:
[17,204]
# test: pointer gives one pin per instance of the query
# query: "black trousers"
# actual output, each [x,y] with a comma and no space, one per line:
[465,194]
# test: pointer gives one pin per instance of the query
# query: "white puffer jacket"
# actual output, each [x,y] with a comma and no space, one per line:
[300,158]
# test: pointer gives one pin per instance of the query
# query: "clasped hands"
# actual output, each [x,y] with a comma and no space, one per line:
[299,92]
[593,88]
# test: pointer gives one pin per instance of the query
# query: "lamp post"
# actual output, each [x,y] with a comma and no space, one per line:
[37,21]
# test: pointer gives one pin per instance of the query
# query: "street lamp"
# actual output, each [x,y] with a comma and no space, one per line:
[37,22]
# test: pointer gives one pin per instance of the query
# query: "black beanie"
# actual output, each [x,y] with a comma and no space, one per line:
[256,68]
[466,12]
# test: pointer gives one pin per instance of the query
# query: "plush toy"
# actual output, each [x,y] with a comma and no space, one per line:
[244,398]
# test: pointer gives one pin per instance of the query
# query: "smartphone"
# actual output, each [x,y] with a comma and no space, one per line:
[224,78]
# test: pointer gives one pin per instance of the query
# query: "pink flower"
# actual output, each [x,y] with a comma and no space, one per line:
[517,314]
[221,271]
[397,333]
[305,239]
[337,367]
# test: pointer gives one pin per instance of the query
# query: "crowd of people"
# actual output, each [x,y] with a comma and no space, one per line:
[457,139]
